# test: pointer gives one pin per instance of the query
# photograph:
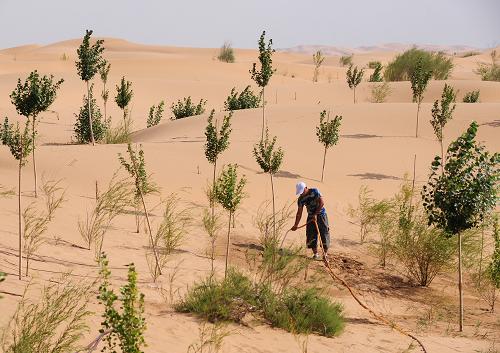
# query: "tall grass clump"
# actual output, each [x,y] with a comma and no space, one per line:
[489,72]
[402,67]
[118,134]
[226,53]
[183,109]
[471,97]
[246,99]
[55,323]
[380,92]
[346,60]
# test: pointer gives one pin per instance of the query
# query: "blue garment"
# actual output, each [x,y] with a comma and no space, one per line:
[311,201]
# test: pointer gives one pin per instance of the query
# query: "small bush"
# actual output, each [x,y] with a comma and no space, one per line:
[82,125]
[183,109]
[471,97]
[374,64]
[489,72]
[469,53]
[380,92]
[244,100]
[226,300]
[305,311]
[155,114]
[226,53]
[346,60]
[402,67]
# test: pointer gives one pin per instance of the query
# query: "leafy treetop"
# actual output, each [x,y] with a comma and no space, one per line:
[89,57]
[217,141]
[263,76]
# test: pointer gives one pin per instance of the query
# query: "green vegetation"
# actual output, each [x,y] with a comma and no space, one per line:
[262,76]
[244,100]
[104,72]
[226,53]
[228,192]
[471,97]
[217,141]
[183,109]
[269,160]
[125,326]
[442,112]
[420,77]
[118,134]
[155,114]
[346,60]
[489,72]
[354,78]
[31,98]
[374,64]
[90,61]
[318,59]
[376,76]
[380,92]
[53,324]
[84,133]
[328,133]
[466,190]
[124,94]
[403,66]
[295,310]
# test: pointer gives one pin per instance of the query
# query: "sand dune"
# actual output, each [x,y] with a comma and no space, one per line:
[376,148]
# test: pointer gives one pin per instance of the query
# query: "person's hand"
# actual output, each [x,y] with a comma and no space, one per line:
[294,228]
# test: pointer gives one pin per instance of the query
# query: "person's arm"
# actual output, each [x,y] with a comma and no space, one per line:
[298,216]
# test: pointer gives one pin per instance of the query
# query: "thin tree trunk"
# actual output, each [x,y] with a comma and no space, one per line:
[355,95]
[481,258]
[33,154]
[212,201]
[105,101]
[124,116]
[19,207]
[227,245]
[137,220]
[263,114]
[274,211]
[442,156]
[90,115]
[460,288]
[323,169]
[418,110]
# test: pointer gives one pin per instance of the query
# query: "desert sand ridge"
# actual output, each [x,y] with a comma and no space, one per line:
[376,149]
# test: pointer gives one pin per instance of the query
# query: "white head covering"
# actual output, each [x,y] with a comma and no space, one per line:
[300,187]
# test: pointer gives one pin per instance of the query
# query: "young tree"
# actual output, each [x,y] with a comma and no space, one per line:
[82,129]
[354,78]
[216,143]
[443,113]
[377,73]
[459,198]
[20,145]
[123,328]
[419,79]
[155,114]
[104,72]
[328,133]
[89,62]
[31,98]
[228,192]
[263,76]
[269,161]
[318,59]
[124,94]
[494,266]
[135,167]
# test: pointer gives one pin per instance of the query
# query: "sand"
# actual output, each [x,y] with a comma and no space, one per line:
[376,148]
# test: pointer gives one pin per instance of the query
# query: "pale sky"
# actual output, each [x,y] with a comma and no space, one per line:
[208,23]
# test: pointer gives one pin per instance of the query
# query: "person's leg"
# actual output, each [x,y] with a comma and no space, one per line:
[312,238]
[324,230]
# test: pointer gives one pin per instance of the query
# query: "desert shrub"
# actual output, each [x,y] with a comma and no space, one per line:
[471,97]
[346,60]
[380,92]
[244,100]
[54,324]
[489,72]
[226,300]
[155,114]
[469,53]
[374,64]
[376,76]
[226,53]
[82,126]
[185,108]
[304,311]
[126,325]
[402,67]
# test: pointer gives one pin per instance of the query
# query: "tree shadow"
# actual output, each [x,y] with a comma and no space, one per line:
[375,176]
[360,136]
[494,123]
